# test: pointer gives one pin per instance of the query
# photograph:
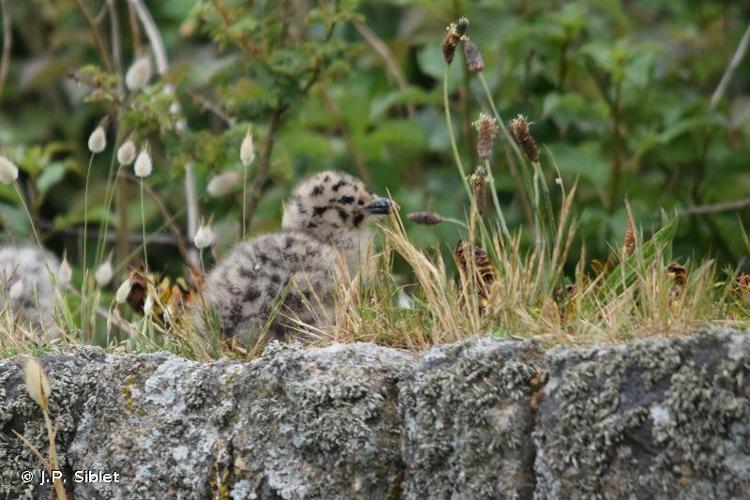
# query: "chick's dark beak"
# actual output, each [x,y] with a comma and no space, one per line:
[381,206]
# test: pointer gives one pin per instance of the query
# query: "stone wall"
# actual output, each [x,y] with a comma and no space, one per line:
[484,418]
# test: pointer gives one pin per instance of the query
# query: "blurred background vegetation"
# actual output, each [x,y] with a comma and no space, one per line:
[619,92]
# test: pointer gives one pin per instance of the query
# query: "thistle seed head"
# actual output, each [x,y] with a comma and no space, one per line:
[519,130]
[425,218]
[474,61]
[486,131]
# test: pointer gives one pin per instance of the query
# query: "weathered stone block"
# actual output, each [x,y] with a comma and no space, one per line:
[658,418]
[468,414]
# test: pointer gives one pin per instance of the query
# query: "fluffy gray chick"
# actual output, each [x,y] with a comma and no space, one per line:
[26,287]
[267,282]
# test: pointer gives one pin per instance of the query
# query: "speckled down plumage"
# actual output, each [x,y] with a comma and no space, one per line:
[26,287]
[274,283]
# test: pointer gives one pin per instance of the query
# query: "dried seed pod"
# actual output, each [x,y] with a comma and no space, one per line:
[479,181]
[519,129]
[454,33]
[474,60]
[425,218]
[486,131]
[474,260]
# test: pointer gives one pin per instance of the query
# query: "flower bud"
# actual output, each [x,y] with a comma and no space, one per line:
[138,74]
[222,184]
[143,165]
[126,153]
[8,171]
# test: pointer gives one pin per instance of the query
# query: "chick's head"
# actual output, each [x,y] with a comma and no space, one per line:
[330,204]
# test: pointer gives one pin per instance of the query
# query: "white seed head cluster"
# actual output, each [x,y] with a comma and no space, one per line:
[143,165]
[223,183]
[138,74]
[126,153]
[8,171]
[148,305]
[97,140]
[204,237]
[104,273]
[123,291]
[247,149]
[36,382]
[65,274]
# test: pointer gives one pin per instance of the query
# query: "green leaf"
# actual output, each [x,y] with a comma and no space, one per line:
[50,176]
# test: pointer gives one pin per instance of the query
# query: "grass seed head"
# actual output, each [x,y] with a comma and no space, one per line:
[474,60]
[247,149]
[97,140]
[143,164]
[223,183]
[479,181]
[36,381]
[138,74]
[454,33]
[519,129]
[126,153]
[104,273]
[204,237]
[425,218]
[123,291]
[486,132]
[8,171]
[65,274]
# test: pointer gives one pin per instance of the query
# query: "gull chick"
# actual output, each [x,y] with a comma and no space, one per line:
[270,282]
